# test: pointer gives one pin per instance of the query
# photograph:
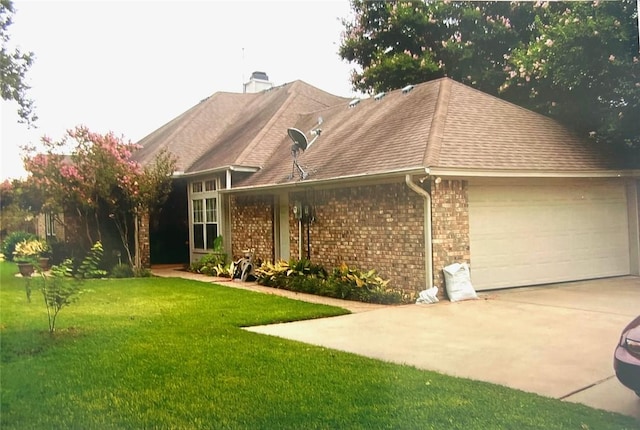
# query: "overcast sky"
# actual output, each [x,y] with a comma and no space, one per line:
[131,66]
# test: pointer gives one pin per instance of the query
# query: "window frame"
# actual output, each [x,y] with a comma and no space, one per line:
[204,214]
[49,224]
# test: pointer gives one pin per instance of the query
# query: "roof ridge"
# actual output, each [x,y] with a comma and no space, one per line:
[434,141]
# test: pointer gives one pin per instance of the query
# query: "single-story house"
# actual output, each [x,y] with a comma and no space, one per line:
[406,183]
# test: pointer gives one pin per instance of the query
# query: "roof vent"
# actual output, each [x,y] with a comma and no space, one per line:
[354,102]
[379,96]
[407,89]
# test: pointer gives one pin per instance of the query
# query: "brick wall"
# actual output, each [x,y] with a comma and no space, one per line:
[58,227]
[450,227]
[252,226]
[369,227]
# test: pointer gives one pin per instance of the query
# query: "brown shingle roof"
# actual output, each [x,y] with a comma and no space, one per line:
[439,124]
[233,129]
[189,135]
[485,132]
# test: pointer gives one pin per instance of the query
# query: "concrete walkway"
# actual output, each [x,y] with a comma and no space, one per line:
[170,271]
[555,340]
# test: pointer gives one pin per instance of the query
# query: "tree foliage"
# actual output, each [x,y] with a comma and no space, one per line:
[14,65]
[58,291]
[583,67]
[17,204]
[575,61]
[99,176]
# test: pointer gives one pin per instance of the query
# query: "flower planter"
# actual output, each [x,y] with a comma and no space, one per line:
[26,269]
[44,263]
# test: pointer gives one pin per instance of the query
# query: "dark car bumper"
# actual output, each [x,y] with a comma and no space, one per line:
[627,369]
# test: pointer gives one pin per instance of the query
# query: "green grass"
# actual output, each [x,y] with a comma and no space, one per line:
[169,353]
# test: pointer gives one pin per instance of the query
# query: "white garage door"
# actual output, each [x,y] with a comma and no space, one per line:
[523,234]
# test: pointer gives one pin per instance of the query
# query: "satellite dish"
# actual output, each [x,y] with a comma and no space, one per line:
[300,143]
[299,139]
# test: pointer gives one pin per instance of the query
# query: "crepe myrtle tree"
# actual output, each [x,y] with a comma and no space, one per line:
[99,175]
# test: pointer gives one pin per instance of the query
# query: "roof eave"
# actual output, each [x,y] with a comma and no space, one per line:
[214,170]
[330,181]
[523,173]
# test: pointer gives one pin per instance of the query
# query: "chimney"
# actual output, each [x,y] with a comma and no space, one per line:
[259,81]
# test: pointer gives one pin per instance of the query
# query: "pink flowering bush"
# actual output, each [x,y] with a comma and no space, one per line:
[99,176]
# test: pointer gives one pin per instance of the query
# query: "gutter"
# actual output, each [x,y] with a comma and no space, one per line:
[328,182]
[521,173]
[229,168]
[428,259]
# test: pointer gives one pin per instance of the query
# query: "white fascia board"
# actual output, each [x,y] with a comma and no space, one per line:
[477,173]
[400,173]
[222,169]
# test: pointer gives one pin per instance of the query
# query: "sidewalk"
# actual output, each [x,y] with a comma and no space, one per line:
[178,272]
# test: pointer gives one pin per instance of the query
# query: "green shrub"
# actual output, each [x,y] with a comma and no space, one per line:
[89,268]
[295,275]
[142,272]
[218,245]
[10,242]
[208,263]
[354,284]
[343,282]
[223,270]
[121,270]
[59,291]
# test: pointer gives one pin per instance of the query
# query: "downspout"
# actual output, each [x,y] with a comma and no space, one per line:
[428,259]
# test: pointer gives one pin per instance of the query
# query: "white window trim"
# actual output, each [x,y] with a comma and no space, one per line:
[49,224]
[203,196]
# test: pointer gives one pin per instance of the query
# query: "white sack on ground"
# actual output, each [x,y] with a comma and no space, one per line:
[430,295]
[458,282]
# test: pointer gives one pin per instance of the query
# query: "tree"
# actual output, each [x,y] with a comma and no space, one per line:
[14,65]
[577,62]
[18,207]
[100,177]
[583,68]
[58,291]
[399,43]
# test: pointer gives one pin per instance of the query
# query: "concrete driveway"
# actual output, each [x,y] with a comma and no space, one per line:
[554,340]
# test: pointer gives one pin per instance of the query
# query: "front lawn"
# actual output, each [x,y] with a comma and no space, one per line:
[169,353]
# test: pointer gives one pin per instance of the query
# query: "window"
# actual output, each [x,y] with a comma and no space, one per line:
[204,213]
[210,185]
[49,224]
[211,212]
